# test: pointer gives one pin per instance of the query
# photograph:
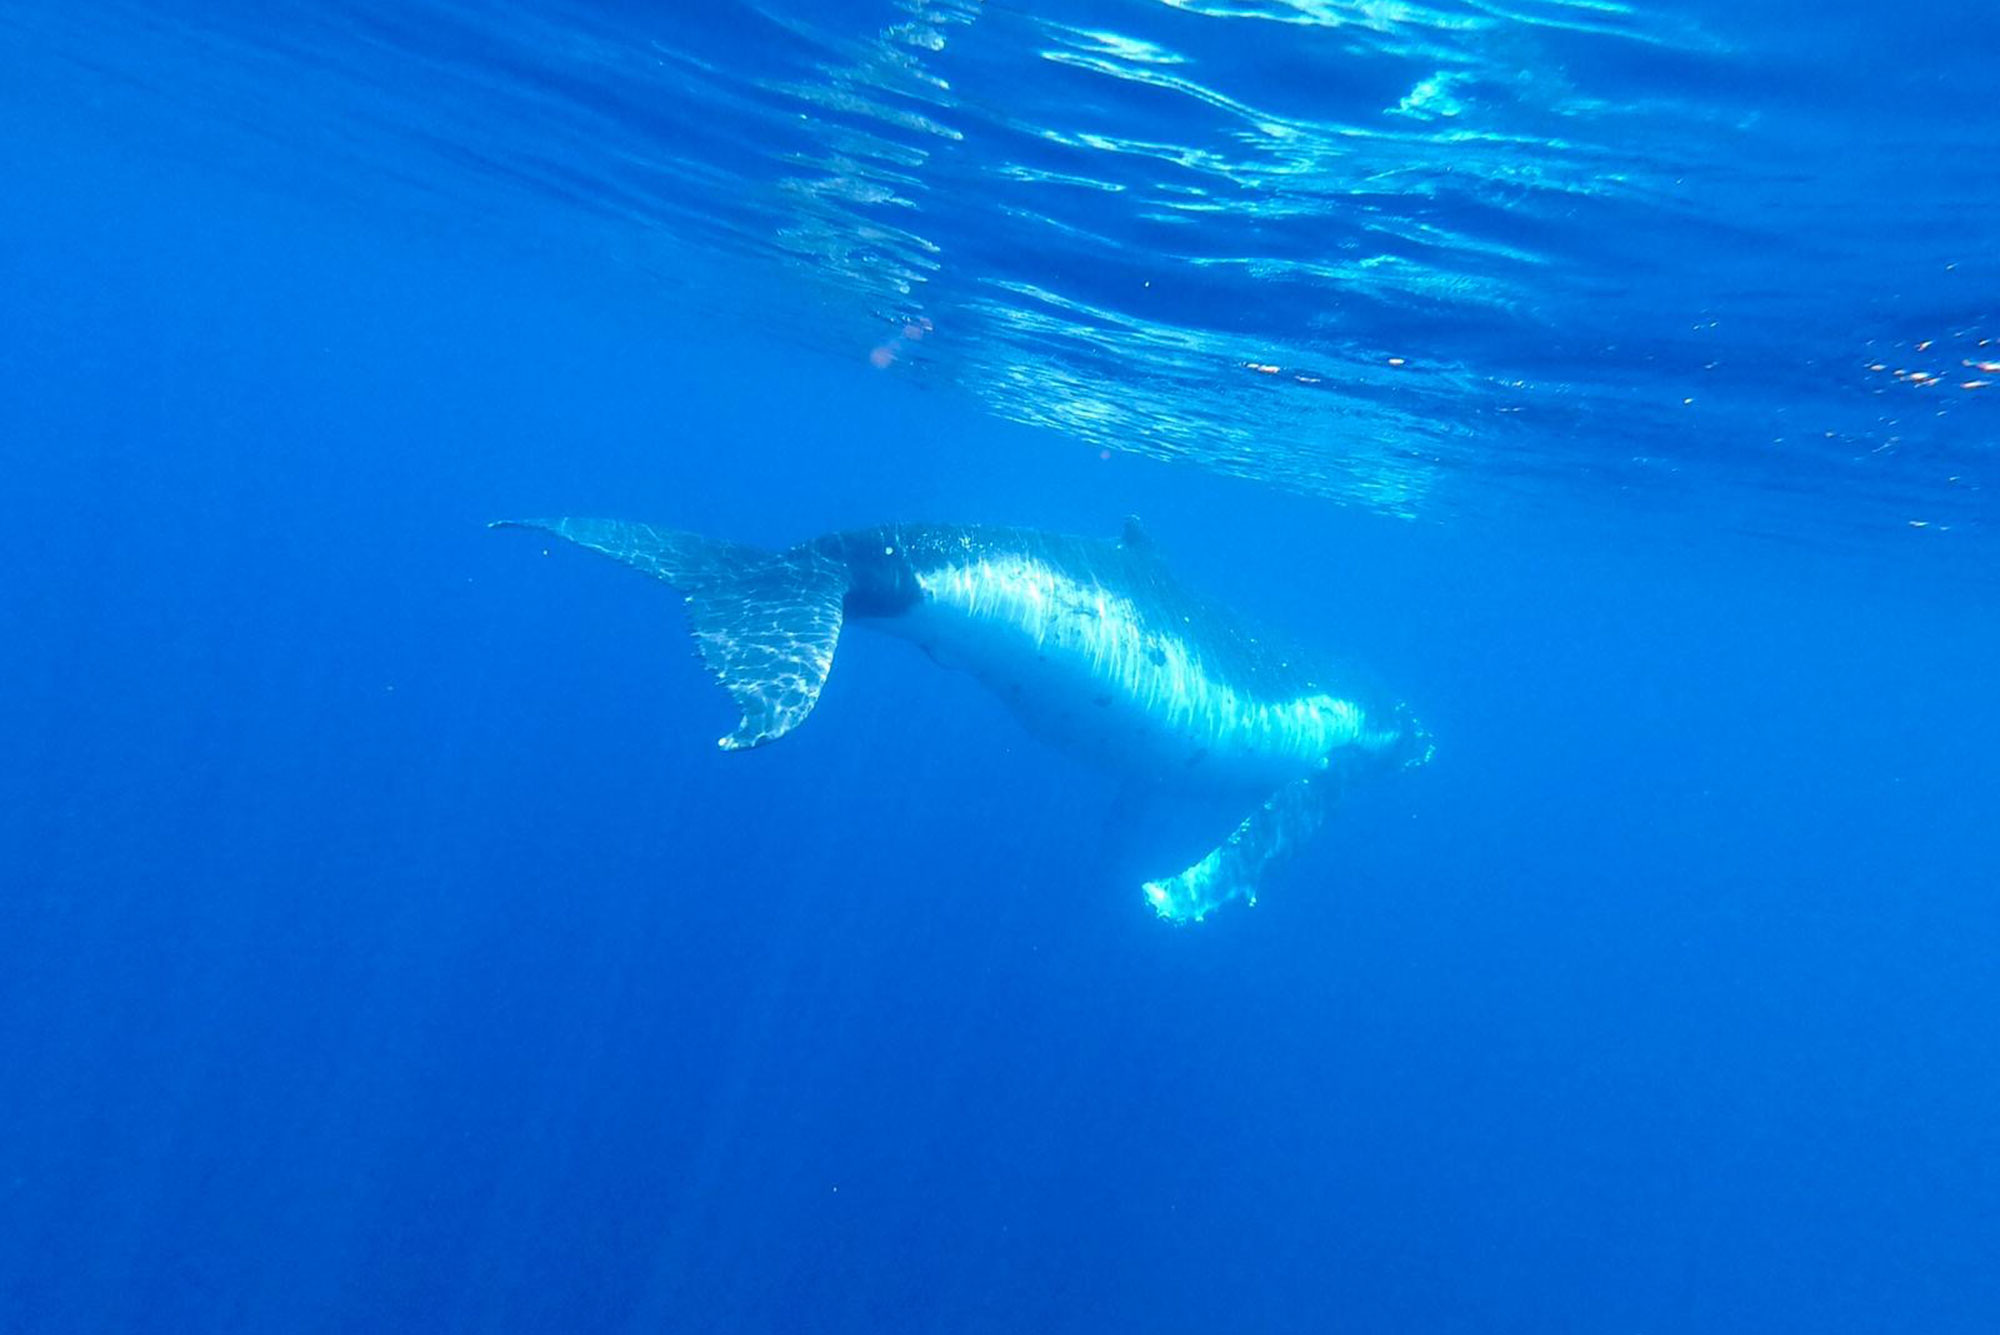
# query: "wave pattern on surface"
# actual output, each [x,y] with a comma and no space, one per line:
[1411,256]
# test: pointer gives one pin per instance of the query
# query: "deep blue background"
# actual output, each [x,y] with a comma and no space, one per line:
[384,946]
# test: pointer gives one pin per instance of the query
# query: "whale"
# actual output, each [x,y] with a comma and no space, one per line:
[1091,642]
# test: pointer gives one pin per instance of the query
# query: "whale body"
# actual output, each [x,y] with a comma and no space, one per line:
[1091,642]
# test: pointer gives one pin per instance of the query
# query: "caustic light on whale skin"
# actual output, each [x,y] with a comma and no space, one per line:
[1063,629]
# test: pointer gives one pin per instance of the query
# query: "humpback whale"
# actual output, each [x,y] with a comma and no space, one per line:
[1091,642]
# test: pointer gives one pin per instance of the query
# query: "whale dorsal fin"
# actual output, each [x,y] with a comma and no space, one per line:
[766,623]
[1133,536]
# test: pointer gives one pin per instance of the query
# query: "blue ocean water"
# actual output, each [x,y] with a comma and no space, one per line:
[384,945]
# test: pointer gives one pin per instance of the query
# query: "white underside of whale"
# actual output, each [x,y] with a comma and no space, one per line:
[1081,666]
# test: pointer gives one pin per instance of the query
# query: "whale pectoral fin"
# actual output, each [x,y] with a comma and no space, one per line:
[1231,870]
[765,623]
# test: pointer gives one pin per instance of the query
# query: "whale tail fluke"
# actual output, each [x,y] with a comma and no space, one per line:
[765,623]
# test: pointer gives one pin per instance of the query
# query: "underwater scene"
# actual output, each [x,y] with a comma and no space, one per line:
[935,666]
